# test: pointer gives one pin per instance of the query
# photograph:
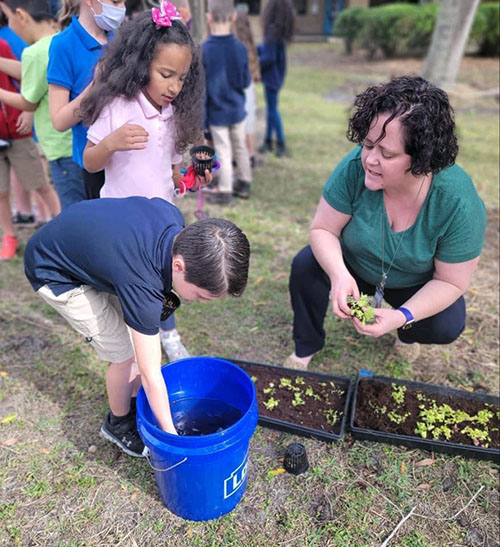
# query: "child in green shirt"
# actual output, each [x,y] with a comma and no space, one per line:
[32,21]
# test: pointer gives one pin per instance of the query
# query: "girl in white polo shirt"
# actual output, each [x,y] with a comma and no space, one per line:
[144,109]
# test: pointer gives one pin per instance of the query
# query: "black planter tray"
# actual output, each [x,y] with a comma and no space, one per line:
[447,447]
[298,429]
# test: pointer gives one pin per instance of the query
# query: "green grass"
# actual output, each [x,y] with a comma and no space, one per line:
[62,485]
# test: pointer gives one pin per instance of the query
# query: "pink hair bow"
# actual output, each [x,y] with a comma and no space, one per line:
[167,13]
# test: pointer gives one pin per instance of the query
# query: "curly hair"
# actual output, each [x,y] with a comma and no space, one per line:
[124,72]
[425,114]
[278,21]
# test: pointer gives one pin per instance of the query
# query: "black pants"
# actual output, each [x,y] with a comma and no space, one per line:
[93,183]
[310,294]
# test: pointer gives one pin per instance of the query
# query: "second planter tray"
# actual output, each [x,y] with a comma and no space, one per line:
[414,441]
[265,420]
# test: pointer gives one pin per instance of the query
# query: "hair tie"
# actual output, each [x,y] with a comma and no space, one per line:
[164,16]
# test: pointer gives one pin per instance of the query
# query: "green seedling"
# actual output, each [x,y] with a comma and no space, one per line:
[477,435]
[271,403]
[297,399]
[378,409]
[397,418]
[361,309]
[300,381]
[331,416]
[398,393]
[254,379]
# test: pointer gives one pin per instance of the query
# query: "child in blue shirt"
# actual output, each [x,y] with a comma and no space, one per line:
[278,22]
[227,76]
[73,56]
[108,267]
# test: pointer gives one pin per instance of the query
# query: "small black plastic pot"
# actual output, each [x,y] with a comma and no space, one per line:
[297,429]
[468,451]
[200,165]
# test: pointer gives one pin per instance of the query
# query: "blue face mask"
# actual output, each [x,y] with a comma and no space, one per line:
[110,18]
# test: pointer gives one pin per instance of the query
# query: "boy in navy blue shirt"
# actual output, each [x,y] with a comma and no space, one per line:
[108,267]
[227,75]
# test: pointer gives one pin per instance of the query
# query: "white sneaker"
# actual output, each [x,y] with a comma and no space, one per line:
[172,345]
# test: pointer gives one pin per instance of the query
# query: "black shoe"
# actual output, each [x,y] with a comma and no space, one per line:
[241,189]
[266,146]
[281,149]
[21,218]
[124,435]
[219,198]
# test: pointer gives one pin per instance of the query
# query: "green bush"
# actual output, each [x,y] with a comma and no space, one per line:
[398,29]
[348,24]
[486,30]
[406,29]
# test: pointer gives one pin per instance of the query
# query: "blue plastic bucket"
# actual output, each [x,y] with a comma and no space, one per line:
[201,477]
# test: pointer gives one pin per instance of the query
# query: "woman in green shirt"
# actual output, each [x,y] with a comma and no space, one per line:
[398,220]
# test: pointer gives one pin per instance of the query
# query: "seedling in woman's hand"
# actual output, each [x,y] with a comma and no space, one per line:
[360,309]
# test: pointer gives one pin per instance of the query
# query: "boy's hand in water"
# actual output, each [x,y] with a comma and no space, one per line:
[172,431]
[127,137]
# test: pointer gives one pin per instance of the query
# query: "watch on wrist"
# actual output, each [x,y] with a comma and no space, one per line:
[410,320]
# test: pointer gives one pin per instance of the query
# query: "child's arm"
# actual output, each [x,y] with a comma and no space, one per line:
[11,67]
[148,355]
[127,137]
[63,112]
[16,100]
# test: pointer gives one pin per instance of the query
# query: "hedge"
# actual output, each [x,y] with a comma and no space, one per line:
[406,29]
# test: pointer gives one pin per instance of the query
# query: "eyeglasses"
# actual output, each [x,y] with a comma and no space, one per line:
[170,303]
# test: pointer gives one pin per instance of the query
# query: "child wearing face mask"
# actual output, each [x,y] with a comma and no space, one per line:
[73,56]
[144,109]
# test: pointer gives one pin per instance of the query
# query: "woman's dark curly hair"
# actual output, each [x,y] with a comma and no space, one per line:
[425,114]
[278,21]
[124,71]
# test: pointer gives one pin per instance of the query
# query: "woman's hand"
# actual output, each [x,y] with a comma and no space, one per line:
[127,137]
[386,320]
[343,286]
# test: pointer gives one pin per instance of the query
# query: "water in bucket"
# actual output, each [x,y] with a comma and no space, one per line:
[199,416]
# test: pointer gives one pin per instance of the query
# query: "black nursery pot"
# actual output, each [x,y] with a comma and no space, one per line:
[273,423]
[201,164]
[443,446]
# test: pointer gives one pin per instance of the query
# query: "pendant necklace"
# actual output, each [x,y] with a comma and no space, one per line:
[379,290]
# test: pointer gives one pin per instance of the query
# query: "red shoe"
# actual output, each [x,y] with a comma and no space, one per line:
[9,247]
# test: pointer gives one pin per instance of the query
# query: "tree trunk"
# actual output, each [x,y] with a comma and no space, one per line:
[199,24]
[448,43]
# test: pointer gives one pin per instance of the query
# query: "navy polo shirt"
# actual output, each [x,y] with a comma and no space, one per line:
[119,246]
[227,75]
[73,55]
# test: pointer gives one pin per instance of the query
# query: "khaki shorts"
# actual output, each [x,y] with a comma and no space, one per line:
[96,315]
[24,157]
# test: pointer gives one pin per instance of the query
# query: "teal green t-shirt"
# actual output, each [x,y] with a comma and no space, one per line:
[450,226]
[35,89]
